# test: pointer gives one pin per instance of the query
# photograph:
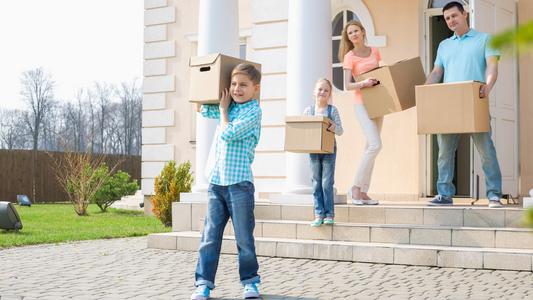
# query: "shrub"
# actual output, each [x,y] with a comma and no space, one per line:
[114,187]
[168,187]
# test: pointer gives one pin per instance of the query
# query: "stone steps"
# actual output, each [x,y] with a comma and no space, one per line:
[481,237]
[462,236]
[382,253]
[130,202]
[186,215]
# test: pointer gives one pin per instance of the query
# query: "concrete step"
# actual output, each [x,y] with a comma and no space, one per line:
[133,199]
[482,237]
[128,206]
[186,215]
[382,253]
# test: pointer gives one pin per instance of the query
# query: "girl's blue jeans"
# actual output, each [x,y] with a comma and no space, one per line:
[235,201]
[323,178]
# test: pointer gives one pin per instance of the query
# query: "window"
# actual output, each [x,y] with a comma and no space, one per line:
[338,24]
[442,3]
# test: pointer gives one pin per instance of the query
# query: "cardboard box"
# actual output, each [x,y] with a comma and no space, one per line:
[210,75]
[308,134]
[396,89]
[451,108]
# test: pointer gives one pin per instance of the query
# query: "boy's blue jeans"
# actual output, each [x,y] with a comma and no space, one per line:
[489,162]
[235,201]
[323,178]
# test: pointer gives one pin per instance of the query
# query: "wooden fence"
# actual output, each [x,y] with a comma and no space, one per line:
[16,174]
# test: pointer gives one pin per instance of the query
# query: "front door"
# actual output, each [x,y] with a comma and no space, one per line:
[492,16]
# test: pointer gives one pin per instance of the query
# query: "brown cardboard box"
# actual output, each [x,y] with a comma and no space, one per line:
[210,75]
[308,134]
[396,89]
[451,108]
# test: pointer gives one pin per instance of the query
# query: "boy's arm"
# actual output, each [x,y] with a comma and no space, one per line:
[243,126]
[209,111]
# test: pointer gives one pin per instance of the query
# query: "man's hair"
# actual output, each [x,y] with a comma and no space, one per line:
[453,4]
[248,69]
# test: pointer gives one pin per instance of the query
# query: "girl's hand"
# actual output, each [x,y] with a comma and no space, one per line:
[369,82]
[225,100]
[331,126]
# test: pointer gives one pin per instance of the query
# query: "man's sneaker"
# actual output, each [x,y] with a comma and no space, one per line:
[439,201]
[494,202]
[202,293]
[250,291]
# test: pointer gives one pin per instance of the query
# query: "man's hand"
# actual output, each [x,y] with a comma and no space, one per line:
[484,91]
[331,126]
[225,100]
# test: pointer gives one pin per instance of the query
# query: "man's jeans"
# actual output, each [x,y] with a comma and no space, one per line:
[489,162]
[235,201]
[323,178]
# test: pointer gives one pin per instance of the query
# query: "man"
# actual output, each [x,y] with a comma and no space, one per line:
[466,56]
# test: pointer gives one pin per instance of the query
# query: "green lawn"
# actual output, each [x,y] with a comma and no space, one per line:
[53,223]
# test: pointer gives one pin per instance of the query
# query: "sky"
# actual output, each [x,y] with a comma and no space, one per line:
[77,41]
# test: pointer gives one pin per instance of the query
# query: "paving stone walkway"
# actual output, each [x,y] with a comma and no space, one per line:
[126,269]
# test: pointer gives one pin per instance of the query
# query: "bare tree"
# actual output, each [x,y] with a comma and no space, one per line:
[129,112]
[12,129]
[37,93]
[102,98]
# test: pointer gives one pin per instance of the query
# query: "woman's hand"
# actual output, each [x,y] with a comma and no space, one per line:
[369,82]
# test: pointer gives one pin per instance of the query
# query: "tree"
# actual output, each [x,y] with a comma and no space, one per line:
[38,94]
[129,112]
[12,129]
[102,96]
[522,37]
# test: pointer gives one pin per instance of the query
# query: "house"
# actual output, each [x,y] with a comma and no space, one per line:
[296,42]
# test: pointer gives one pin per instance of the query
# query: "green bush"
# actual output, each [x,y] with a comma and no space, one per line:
[168,187]
[114,187]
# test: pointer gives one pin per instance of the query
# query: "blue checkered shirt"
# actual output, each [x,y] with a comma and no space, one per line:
[235,146]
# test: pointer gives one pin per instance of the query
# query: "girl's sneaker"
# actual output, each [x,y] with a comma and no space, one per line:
[202,293]
[328,221]
[250,291]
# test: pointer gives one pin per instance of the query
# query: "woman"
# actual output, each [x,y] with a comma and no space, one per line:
[358,58]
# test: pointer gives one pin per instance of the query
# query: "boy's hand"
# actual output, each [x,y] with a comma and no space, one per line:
[331,126]
[225,100]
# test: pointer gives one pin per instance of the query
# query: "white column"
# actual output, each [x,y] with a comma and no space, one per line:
[309,58]
[218,32]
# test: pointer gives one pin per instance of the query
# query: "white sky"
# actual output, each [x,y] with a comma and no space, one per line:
[77,41]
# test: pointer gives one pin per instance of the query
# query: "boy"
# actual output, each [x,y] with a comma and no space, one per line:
[231,189]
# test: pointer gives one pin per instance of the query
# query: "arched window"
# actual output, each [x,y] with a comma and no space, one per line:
[442,3]
[337,25]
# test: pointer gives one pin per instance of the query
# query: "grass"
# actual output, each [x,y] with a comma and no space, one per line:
[54,223]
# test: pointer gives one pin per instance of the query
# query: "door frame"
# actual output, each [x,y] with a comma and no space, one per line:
[425,140]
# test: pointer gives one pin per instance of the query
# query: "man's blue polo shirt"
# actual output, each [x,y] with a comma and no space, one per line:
[464,59]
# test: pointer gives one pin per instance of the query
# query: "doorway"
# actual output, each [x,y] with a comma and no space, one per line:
[462,179]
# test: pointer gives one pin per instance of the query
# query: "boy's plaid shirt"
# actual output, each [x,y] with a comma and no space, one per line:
[235,146]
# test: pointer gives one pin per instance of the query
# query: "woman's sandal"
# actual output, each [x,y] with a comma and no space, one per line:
[317,222]
[328,221]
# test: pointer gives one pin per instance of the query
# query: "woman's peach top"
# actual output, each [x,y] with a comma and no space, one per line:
[360,65]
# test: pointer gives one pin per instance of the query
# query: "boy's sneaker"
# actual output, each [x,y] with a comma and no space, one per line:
[250,291]
[494,202]
[202,293]
[439,201]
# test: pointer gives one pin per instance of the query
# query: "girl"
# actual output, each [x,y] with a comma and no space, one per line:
[358,58]
[323,164]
